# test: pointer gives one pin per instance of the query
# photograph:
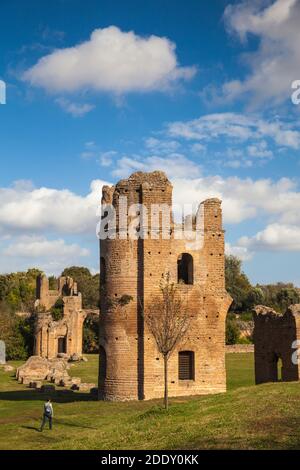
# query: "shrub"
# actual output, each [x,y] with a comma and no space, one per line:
[57,311]
[232,331]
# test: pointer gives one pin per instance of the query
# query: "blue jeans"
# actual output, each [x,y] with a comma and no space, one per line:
[46,418]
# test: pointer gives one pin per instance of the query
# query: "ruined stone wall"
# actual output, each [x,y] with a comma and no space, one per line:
[274,336]
[133,366]
[49,332]
[239,348]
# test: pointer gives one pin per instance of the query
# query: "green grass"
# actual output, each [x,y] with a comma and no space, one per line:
[246,417]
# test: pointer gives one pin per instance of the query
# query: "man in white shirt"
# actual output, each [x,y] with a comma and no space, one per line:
[48,414]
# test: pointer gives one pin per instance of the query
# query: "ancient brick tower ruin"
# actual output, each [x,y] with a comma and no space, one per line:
[63,336]
[276,337]
[130,365]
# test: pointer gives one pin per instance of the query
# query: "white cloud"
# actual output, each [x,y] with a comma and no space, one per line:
[259,150]
[276,62]
[45,209]
[107,158]
[21,252]
[275,237]
[24,208]
[40,247]
[111,61]
[175,165]
[198,148]
[75,109]
[239,251]
[243,199]
[38,212]
[161,146]
[236,127]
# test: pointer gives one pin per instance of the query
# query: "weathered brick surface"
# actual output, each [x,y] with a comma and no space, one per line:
[134,368]
[274,338]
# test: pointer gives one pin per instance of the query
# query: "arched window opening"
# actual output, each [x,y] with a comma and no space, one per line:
[185,269]
[102,271]
[103,364]
[186,365]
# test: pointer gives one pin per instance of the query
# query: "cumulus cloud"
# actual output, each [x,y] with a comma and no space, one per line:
[46,209]
[175,165]
[276,62]
[259,150]
[240,252]
[40,247]
[20,252]
[59,224]
[236,127]
[75,109]
[24,208]
[244,199]
[275,237]
[110,61]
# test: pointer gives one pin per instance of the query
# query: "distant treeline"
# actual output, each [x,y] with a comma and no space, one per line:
[17,294]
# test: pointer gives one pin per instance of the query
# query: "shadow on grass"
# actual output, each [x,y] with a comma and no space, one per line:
[73,425]
[57,396]
[31,428]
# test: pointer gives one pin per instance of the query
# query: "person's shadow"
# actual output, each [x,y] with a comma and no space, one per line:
[32,428]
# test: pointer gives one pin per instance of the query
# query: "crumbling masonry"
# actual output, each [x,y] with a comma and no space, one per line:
[63,336]
[276,337]
[130,365]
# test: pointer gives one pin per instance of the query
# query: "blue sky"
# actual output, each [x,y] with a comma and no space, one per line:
[99,89]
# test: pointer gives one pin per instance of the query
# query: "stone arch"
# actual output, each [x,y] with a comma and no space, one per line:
[185,268]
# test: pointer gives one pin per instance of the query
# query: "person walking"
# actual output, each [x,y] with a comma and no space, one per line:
[48,414]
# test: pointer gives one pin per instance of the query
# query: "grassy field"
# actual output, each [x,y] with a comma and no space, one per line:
[246,417]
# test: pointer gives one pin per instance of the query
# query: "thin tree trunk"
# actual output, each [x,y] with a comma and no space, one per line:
[166,398]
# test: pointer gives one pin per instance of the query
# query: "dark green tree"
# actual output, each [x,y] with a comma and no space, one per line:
[88,285]
[237,283]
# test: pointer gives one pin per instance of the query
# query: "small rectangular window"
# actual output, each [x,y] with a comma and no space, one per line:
[186,366]
[62,345]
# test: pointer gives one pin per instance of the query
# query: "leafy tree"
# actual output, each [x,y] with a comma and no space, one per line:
[287,296]
[280,296]
[17,334]
[88,285]
[17,290]
[57,311]
[255,296]
[232,330]
[237,283]
[91,334]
